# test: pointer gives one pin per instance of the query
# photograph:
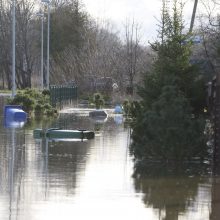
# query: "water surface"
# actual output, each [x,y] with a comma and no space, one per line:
[43,179]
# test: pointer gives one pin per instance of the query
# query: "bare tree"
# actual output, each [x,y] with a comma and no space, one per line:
[210,32]
[132,42]
[5,34]
[81,49]
[25,43]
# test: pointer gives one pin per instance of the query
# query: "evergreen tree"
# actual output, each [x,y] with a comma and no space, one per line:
[169,124]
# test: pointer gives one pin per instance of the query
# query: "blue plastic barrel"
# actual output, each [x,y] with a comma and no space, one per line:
[14,113]
[118,109]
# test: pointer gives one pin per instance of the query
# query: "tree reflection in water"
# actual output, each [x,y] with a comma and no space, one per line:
[171,189]
[215,213]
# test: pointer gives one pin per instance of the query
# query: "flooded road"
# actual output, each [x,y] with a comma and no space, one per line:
[43,180]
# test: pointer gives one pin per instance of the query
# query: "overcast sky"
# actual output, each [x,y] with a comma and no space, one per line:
[144,12]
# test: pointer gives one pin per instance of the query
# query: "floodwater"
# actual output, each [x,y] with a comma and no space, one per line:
[43,180]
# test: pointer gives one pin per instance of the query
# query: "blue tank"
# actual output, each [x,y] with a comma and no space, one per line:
[118,109]
[13,114]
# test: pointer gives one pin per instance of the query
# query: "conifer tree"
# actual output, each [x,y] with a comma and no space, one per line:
[169,125]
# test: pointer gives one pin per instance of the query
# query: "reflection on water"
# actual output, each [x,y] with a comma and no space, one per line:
[41,179]
[180,196]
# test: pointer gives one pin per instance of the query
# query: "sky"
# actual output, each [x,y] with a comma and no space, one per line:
[144,12]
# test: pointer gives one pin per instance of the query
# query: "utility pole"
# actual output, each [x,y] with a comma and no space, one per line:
[42,52]
[41,15]
[13,49]
[193,16]
[48,48]
[48,43]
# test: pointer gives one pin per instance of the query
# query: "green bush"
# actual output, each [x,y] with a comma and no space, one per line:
[98,100]
[47,106]
[39,108]
[51,112]
[126,107]
[26,101]
[33,100]
[46,92]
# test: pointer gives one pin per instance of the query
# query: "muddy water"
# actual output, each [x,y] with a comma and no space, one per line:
[42,179]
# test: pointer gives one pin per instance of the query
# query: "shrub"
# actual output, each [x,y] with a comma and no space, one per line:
[31,99]
[26,101]
[46,92]
[126,107]
[98,100]
[51,112]
[47,106]
[39,108]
